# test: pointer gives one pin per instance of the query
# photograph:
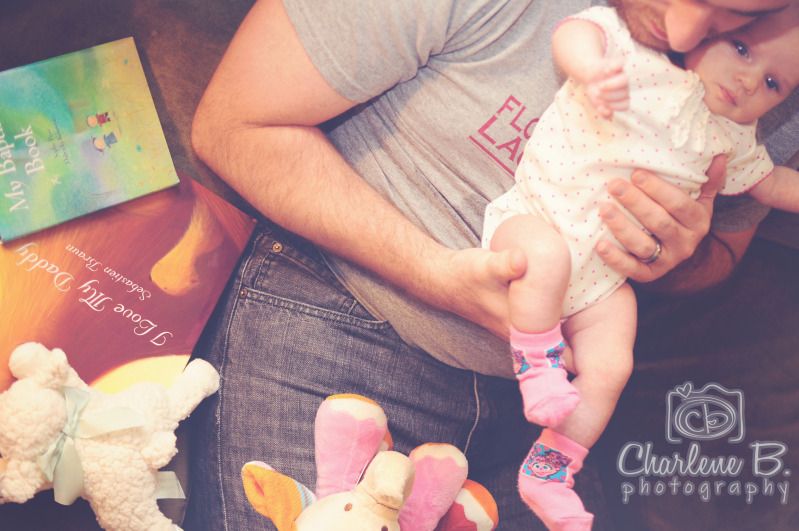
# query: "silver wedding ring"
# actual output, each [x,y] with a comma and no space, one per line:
[651,259]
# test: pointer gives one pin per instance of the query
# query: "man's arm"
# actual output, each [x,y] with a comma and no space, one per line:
[711,264]
[256,128]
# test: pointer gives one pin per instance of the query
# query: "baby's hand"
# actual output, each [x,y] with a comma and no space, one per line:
[607,88]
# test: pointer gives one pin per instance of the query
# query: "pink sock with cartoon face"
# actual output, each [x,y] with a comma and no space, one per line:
[545,482]
[548,396]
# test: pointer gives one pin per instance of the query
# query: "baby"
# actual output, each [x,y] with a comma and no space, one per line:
[624,106]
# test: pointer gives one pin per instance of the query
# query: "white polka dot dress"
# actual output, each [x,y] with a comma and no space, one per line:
[573,154]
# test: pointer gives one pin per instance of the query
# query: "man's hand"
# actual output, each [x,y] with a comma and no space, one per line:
[477,282]
[669,216]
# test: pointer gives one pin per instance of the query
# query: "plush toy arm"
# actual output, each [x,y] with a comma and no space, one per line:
[474,509]
[441,470]
[348,430]
[20,481]
[442,498]
[160,449]
[198,380]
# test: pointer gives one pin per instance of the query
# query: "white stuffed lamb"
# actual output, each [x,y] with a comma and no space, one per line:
[57,432]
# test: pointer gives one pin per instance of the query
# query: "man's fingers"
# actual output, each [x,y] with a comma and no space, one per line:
[715,180]
[644,207]
[622,262]
[669,216]
[629,235]
[507,265]
[674,206]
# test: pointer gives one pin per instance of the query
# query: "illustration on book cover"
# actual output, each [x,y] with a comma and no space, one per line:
[78,133]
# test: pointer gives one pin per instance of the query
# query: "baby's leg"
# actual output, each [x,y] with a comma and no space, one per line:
[535,304]
[536,299]
[601,338]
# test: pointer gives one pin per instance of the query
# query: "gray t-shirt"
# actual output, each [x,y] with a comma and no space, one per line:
[450,93]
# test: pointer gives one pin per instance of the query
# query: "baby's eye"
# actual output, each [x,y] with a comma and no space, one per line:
[741,48]
[772,84]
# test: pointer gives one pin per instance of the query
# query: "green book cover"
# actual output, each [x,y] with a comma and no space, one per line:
[78,133]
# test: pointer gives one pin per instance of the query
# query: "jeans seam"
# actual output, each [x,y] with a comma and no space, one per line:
[473,429]
[353,304]
[222,365]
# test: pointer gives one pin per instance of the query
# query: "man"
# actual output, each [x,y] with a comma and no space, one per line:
[425,107]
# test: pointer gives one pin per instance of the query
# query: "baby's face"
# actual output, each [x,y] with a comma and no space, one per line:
[748,72]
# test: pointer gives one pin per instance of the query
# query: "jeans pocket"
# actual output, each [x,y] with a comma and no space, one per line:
[290,272]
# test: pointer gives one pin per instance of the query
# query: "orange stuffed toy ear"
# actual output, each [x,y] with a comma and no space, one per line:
[275,495]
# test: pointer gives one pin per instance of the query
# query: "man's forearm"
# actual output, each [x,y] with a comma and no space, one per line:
[295,177]
[256,127]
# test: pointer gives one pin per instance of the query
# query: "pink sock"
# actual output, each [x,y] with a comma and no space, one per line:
[546,479]
[548,396]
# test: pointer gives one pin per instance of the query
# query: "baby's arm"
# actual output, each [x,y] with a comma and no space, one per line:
[779,190]
[579,49]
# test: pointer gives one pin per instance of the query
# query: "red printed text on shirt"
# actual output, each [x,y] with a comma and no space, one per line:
[503,136]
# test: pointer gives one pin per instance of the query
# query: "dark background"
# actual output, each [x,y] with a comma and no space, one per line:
[744,335]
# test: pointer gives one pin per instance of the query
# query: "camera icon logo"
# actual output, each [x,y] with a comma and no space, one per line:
[710,413]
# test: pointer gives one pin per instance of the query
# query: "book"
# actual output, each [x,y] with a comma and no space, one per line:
[78,133]
[125,292]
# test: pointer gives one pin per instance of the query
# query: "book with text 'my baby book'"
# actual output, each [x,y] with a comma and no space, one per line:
[78,133]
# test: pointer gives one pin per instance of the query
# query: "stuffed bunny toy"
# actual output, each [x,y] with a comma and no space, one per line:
[362,486]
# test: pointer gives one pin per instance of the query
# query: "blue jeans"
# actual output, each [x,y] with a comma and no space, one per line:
[286,335]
